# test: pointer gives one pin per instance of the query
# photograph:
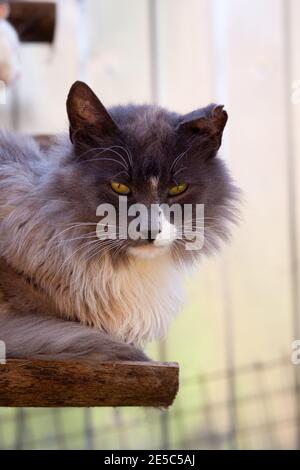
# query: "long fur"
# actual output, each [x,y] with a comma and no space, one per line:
[45,337]
[59,296]
[134,303]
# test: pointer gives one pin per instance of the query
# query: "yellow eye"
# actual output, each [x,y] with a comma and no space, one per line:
[120,188]
[180,188]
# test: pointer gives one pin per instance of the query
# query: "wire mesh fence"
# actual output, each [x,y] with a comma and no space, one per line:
[260,414]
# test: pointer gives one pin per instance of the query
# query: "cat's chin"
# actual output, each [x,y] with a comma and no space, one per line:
[147,251]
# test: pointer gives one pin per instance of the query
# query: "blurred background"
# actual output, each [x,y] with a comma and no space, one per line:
[239,388]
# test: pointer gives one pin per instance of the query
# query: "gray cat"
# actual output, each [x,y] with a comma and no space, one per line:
[65,291]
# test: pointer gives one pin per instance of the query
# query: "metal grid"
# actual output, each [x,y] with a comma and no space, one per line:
[261,414]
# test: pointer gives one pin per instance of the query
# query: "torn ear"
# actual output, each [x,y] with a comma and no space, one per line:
[209,121]
[87,115]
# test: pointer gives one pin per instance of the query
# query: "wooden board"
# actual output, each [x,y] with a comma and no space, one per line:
[34,21]
[38,383]
[118,63]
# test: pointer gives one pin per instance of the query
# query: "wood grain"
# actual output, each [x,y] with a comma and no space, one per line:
[34,21]
[39,383]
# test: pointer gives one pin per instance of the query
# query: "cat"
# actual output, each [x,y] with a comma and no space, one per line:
[68,293]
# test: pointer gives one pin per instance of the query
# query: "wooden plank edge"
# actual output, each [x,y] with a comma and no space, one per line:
[45,383]
[33,21]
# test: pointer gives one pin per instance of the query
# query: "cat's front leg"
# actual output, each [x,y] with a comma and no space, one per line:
[47,337]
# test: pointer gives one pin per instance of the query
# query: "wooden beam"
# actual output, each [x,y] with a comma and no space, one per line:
[32,383]
[34,21]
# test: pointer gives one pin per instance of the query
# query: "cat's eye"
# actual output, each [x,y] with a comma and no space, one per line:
[179,189]
[120,188]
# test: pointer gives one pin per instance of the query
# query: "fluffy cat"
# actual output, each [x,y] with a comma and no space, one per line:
[65,292]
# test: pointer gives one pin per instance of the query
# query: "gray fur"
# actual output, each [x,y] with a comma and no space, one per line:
[45,337]
[61,298]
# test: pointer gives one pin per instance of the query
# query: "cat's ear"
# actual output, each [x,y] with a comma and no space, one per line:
[87,115]
[209,122]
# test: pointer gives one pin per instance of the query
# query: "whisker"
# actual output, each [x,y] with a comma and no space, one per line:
[107,159]
[179,170]
[179,157]
[69,228]
[107,149]
[127,153]
[84,245]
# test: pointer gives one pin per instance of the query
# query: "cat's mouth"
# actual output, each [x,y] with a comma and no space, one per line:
[152,247]
[148,250]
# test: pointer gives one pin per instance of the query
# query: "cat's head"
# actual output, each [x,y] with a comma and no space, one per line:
[146,157]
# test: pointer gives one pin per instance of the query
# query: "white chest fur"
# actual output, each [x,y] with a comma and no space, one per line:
[134,302]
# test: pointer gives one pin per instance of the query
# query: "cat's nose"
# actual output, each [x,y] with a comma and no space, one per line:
[150,235]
